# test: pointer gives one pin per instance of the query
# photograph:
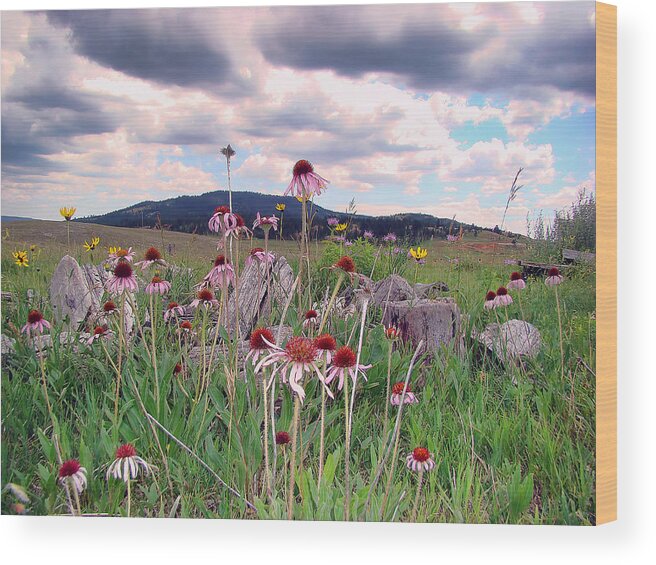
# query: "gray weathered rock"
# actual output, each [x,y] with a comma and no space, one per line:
[70,296]
[430,290]
[392,289]
[437,322]
[8,348]
[511,340]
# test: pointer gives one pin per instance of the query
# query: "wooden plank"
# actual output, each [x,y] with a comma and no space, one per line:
[606,177]
[578,256]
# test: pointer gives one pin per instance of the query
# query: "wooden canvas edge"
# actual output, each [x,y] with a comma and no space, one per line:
[606,311]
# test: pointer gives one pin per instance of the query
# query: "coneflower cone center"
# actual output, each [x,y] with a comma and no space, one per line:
[502,291]
[303,167]
[206,295]
[220,260]
[258,337]
[345,357]
[172,305]
[126,450]
[34,316]
[490,295]
[325,342]
[123,270]
[301,350]
[69,468]
[515,277]
[420,454]
[554,272]
[152,254]
[397,388]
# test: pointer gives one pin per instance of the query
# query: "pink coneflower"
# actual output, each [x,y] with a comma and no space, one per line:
[397,393]
[99,332]
[326,345]
[257,254]
[489,300]
[332,222]
[305,182]
[109,308]
[239,228]
[299,356]
[311,319]
[157,286]
[151,257]
[185,328]
[72,471]
[204,297]
[266,222]
[420,460]
[392,332]
[390,238]
[127,464]
[222,274]
[123,279]
[121,254]
[554,277]
[516,282]
[343,365]
[35,323]
[502,298]
[368,234]
[222,220]
[282,438]
[346,264]
[173,309]
[258,344]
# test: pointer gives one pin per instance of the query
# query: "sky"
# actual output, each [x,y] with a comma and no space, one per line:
[420,107]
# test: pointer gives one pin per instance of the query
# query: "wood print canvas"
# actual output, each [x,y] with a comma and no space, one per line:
[310,263]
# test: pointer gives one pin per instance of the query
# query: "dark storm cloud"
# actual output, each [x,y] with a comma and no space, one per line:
[424,47]
[164,46]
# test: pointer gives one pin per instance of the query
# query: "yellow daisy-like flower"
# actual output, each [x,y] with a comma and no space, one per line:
[20,258]
[341,227]
[33,248]
[93,245]
[67,213]
[302,198]
[281,207]
[114,250]
[418,253]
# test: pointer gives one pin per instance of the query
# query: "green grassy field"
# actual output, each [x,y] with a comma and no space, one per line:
[511,445]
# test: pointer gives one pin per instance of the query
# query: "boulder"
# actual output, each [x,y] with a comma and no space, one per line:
[511,340]
[8,348]
[393,288]
[71,298]
[437,322]
[430,290]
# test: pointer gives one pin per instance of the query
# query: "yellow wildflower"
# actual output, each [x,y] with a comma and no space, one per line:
[67,213]
[91,246]
[281,207]
[341,227]
[418,253]
[20,258]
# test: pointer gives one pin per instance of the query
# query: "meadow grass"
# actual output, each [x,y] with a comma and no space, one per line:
[511,444]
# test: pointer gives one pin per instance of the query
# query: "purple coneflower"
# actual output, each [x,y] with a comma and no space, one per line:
[502,298]
[420,460]
[127,464]
[489,300]
[173,309]
[258,344]
[35,323]
[297,358]
[311,319]
[346,264]
[516,282]
[121,254]
[257,254]
[239,228]
[151,257]
[109,308]
[204,297]
[326,346]
[185,328]
[554,277]
[265,222]
[98,333]
[222,220]
[397,393]
[305,182]
[343,365]
[282,438]
[222,274]
[77,474]
[157,286]
[123,279]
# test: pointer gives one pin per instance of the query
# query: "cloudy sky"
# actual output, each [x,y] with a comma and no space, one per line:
[404,107]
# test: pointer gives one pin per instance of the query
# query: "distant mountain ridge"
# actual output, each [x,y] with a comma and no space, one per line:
[191,213]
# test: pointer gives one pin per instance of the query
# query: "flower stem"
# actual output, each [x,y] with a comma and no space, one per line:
[292,464]
[416,504]
[387,390]
[77,496]
[129,497]
[121,338]
[560,333]
[347,452]
[322,434]
[331,303]
[267,473]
